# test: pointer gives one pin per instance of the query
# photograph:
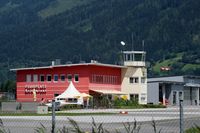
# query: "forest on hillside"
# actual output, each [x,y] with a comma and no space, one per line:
[93,30]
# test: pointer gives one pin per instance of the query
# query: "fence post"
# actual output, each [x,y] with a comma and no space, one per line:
[181,116]
[53,116]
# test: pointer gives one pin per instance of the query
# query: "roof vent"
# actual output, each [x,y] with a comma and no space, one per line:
[94,61]
[57,61]
[68,62]
[53,63]
[82,61]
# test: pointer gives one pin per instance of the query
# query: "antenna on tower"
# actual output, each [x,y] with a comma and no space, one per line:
[132,41]
[142,45]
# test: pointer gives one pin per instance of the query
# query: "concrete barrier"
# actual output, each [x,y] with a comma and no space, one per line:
[9,106]
[19,106]
[29,106]
[42,109]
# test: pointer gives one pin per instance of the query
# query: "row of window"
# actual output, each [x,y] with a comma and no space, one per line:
[49,77]
[104,79]
[134,80]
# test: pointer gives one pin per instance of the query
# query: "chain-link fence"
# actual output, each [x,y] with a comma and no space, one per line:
[23,118]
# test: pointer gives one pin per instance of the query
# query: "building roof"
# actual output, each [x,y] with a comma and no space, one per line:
[69,65]
[135,52]
[192,85]
[172,79]
[167,79]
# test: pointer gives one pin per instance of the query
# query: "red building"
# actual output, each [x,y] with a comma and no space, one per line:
[96,79]
[50,81]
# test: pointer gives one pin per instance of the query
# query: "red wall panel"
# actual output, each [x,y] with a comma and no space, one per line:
[47,89]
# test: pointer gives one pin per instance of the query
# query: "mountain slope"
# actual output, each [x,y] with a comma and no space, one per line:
[59,6]
[33,33]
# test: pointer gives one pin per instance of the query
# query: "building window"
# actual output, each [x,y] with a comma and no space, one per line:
[134,80]
[101,78]
[62,77]
[143,80]
[143,97]
[69,77]
[134,97]
[42,78]
[104,79]
[55,77]
[76,77]
[28,78]
[35,78]
[93,79]
[191,80]
[49,78]
[131,80]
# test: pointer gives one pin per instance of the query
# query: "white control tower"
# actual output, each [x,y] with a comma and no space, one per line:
[134,76]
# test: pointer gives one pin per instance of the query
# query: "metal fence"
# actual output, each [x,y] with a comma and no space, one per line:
[173,119]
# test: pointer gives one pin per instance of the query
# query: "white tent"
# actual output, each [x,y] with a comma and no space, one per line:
[70,93]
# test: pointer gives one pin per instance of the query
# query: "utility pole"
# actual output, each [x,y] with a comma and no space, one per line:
[132,42]
[181,115]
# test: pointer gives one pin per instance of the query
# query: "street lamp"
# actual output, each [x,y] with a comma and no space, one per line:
[122,58]
[123,43]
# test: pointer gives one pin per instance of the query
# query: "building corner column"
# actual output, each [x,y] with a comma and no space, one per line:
[197,96]
[163,92]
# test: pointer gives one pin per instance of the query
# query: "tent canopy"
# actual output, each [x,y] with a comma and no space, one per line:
[70,92]
[84,95]
[116,92]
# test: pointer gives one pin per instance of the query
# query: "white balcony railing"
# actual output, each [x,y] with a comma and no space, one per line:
[134,63]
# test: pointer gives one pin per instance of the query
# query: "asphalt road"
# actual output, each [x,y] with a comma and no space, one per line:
[166,120]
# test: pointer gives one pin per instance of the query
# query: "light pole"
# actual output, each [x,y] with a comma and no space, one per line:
[123,43]
[122,57]
[53,105]
[181,112]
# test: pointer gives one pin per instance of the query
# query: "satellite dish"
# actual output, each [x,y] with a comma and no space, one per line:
[122,43]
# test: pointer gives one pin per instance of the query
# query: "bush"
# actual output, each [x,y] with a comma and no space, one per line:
[132,104]
[71,106]
[153,106]
[122,102]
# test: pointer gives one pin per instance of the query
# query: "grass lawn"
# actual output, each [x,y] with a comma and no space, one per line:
[190,67]
[60,6]
[167,62]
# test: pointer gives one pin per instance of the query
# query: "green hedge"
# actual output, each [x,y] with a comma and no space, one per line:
[122,102]
[153,106]
[131,104]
